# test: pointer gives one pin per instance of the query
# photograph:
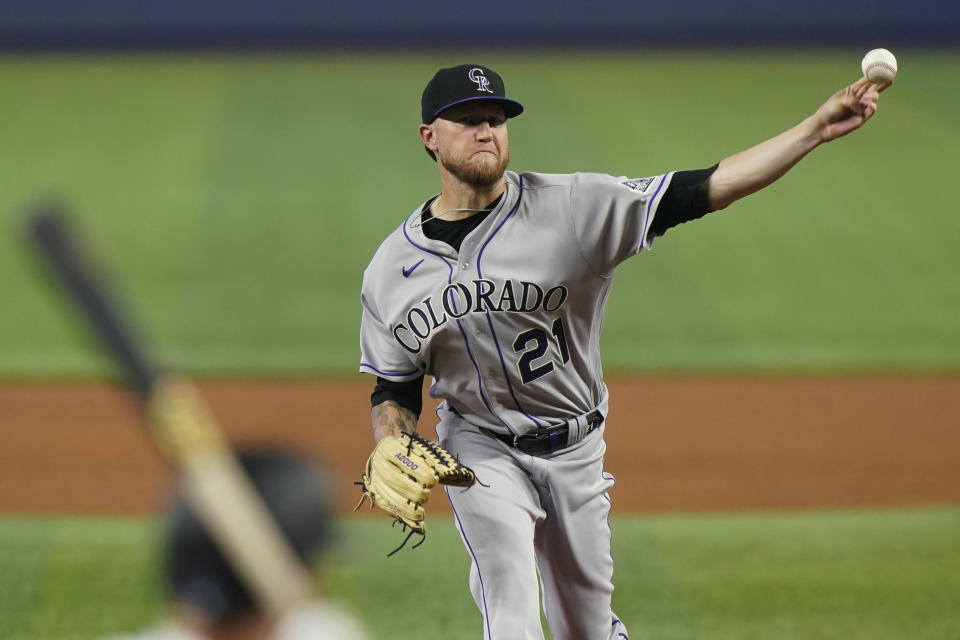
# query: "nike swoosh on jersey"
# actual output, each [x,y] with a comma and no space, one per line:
[407,272]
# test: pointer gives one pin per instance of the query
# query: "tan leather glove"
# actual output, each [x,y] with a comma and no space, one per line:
[400,473]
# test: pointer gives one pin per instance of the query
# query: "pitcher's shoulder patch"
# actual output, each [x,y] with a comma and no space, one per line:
[639,184]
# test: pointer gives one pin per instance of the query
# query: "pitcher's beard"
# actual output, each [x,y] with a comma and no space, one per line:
[478,174]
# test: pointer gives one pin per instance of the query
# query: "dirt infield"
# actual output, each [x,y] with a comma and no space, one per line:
[684,444]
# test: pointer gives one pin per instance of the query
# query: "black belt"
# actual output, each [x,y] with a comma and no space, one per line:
[551,439]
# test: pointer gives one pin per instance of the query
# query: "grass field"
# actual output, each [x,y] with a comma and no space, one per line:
[239,198]
[870,574]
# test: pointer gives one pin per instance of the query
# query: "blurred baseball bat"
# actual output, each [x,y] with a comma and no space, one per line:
[184,429]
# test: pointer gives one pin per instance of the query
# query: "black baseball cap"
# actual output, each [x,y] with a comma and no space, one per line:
[465,83]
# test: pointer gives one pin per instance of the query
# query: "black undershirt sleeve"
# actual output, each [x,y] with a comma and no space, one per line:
[687,198]
[408,394]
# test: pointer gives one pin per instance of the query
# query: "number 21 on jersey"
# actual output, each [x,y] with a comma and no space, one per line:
[533,344]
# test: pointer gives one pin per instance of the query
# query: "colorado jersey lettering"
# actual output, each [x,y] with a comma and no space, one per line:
[522,300]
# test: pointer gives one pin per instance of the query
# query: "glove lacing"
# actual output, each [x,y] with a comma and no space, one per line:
[458,474]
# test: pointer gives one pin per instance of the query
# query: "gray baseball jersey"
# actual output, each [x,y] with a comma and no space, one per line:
[509,328]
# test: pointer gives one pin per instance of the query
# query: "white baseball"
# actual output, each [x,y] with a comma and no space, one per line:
[879,66]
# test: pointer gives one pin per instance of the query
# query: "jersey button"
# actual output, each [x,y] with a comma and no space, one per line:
[466,265]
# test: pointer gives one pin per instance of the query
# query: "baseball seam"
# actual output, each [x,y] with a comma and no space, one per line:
[885,65]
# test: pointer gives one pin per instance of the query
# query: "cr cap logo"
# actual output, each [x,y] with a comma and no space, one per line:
[482,82]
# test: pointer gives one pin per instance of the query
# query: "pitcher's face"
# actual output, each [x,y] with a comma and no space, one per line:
[470,141]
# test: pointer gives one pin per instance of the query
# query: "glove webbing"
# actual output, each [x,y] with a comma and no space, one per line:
[458,474]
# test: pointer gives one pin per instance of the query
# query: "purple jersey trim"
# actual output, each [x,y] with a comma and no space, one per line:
[620,634]
[496,341]
[388,374]
[483,396]
[506,375]
[655,193]
[424,249]
[653,200]
[466,342]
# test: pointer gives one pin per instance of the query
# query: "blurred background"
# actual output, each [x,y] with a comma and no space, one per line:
[794,470]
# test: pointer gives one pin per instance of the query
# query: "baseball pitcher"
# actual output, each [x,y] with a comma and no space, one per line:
[496,288]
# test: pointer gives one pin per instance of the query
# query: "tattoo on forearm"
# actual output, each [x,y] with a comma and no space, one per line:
[390,419]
